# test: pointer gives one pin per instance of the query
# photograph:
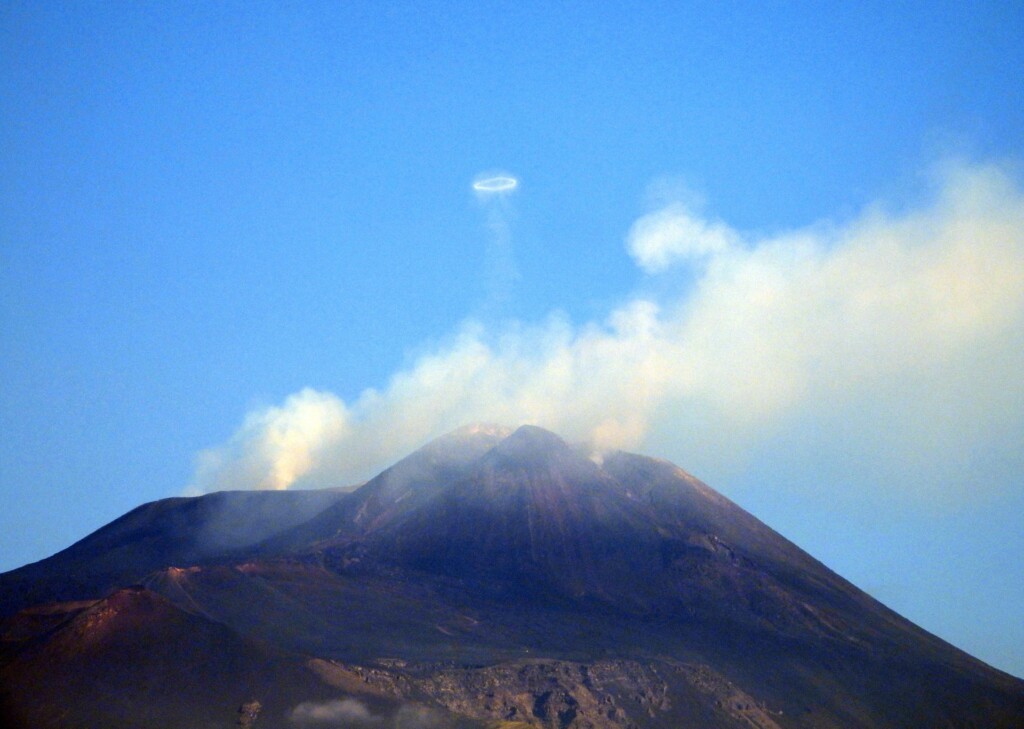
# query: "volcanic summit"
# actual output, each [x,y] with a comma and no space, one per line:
[493,578]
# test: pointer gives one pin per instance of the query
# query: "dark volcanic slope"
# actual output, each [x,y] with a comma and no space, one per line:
[177,531]
[556,590]
[398,491]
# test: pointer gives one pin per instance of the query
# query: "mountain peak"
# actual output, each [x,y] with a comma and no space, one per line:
[472,430]
[530,443]
[485,550]
[463,444]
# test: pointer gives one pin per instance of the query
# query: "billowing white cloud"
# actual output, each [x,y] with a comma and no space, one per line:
[674,233]
[277,445]
[893,339]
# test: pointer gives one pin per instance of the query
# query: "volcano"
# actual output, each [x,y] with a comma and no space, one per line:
[493,578]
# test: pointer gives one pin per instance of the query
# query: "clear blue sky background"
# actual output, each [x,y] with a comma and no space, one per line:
[205,208]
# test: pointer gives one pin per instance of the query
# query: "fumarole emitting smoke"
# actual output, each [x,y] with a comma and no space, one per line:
[885,351]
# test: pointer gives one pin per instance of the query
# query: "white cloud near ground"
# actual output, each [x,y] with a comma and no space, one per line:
[336,713]
[276,445]
[895,339]
[351,713]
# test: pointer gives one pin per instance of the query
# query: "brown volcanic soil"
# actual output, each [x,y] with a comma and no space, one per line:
[501,577]
[133,659]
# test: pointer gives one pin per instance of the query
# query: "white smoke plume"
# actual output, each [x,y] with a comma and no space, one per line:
[493,191]
[891,343]
[349,712]
[674,233]
[337,713]
[276,446]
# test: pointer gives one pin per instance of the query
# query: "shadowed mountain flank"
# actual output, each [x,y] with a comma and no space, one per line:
[177,531]
[491,578]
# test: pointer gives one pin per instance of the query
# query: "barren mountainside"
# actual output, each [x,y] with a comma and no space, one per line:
[491,578]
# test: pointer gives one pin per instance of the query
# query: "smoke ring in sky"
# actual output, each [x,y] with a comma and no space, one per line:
[847,331]
[498,183]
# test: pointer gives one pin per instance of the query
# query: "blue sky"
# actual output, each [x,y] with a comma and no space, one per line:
[779,244]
